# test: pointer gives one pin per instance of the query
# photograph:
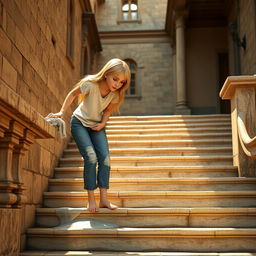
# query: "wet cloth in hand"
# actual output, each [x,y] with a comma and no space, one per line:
[57,122]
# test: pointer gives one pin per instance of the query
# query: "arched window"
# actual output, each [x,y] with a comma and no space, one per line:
[133,89]
[129,10]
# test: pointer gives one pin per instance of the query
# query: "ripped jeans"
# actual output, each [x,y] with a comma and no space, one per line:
[93,146]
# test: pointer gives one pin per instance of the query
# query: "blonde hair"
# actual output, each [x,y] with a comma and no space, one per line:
[113,67]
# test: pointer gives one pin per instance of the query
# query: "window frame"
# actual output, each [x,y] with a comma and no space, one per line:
[136,87]
[129,20]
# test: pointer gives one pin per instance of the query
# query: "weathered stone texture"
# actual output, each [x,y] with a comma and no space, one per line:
[151,13]
[37,69]
[154,76]
[248,28]
[10,220]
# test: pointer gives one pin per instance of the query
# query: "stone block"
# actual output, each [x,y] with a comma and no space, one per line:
[28,71]
[5,43]
[9,74]
[1,64]
[27,179]
[10,27]
[34,158]
[45,163]
[29,216]
[37,189]
[16,59]
[22,44]
[23,90]
[10,223]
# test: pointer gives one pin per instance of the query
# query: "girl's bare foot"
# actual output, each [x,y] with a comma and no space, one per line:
[107,204]
[104,202]
[92,205]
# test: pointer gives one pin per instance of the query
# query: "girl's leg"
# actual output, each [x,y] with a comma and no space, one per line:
[100,142]
[85,146]
[104,202]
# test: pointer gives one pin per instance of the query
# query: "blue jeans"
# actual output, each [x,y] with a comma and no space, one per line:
[93,146]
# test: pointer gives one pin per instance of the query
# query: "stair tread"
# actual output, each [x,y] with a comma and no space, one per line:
[178,211]
[127,231]
[158,193]
[114,253]
[199,180]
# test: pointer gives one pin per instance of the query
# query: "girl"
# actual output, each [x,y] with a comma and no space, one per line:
[100,95]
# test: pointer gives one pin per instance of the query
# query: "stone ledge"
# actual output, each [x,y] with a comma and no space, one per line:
[18,109]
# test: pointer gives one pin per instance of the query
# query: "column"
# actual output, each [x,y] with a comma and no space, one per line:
[181,100]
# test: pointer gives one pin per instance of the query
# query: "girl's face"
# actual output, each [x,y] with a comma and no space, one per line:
[115,81]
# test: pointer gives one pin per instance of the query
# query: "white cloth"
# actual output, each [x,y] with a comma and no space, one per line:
[57,122]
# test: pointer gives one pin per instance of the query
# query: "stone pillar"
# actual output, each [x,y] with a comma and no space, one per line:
[181,100]
[14,141]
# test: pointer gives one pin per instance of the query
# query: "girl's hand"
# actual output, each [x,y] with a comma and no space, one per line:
[98,126]
[59,114]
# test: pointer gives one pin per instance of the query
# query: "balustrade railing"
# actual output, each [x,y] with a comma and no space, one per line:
[241,91]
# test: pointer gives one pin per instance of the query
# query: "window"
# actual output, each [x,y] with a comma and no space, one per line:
[129,11]
[70,30]
[133,90]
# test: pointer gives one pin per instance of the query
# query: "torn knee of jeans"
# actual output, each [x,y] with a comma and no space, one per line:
[91,154]
[107,161]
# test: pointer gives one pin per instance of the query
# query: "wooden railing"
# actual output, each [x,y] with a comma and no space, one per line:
[241,91]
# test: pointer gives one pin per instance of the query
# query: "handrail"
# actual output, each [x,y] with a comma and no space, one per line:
[248,144]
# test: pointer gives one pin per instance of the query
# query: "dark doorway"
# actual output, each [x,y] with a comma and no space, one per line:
[223,74]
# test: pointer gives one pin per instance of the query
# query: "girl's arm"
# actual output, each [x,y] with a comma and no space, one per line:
[107,113]
[67,102]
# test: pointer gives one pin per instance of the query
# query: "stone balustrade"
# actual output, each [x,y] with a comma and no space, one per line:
[241,91]
[20,125]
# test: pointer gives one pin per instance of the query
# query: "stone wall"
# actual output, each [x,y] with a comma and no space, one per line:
[33,64]
[151,13]
[248,28]
[153,57]
[154,76]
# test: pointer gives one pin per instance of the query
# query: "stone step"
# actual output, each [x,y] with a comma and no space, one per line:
[142,239]
[192,131]
[154,171]
[153,217]
[180,125]
[165,151]
[154,199]
[113,253]
[154,160]
[169,136]
[165,143]
[159,184]
[169,117]
[188,120]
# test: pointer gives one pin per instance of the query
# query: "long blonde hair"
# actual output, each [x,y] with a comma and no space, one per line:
[113,67]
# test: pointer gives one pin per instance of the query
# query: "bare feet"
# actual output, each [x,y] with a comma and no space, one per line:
[92,205]
[104,202]
[107,204]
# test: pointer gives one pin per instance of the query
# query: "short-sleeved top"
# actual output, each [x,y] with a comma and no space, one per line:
[90,110]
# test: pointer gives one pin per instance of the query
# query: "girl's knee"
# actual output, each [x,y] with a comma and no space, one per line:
[90,155]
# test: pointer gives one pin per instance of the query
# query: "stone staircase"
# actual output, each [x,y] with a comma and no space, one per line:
[177,189]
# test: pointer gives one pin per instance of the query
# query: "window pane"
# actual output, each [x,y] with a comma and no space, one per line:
[125,15]
[125,7]
[134,15]
[134,7]
[132,66]
[132,76]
